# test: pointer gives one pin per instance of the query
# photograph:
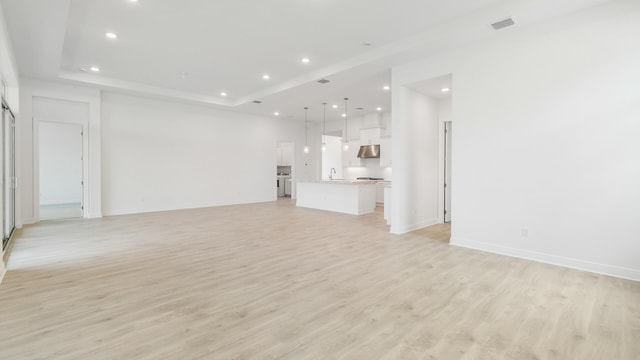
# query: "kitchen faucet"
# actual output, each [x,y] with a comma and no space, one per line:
[331,172]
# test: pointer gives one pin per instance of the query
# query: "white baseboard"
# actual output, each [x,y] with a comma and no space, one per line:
[62,202]
[624,273]
[117,212]
[94,216]
[399,230]
[28,221]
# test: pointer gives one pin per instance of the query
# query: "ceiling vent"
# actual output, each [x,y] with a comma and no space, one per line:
[502,24]
[323,81]
[257,102]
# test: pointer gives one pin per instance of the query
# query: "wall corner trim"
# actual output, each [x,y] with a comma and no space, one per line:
[604,269]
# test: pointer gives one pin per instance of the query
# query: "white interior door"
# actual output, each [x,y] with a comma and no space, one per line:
[447,172]
[60,165]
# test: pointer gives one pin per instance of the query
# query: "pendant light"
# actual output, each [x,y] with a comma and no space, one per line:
[306,142]
[324,126]
[346,126]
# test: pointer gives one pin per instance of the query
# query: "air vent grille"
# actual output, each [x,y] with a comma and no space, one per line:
[257,102]
[323,81]
[502,24]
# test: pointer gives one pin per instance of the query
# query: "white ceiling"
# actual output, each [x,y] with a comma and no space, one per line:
[433,87]
[191,50]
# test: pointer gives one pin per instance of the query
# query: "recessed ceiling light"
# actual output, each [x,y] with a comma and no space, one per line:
[83,70]
[223,94]
[334,106]
[95,69]
[266,76]
[305,60]
[379,108]
[445,90]
[344,115]
[276,113]
[386,87]
[367,43]
[133,1]
[111,35]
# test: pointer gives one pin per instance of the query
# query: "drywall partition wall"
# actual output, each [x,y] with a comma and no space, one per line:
[160,155]
[47,101]
[416,149]
[546,140]
[8,67]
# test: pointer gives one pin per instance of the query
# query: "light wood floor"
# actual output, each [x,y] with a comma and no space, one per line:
[272,281]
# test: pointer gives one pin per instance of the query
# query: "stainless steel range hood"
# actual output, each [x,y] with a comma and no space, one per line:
[369,151]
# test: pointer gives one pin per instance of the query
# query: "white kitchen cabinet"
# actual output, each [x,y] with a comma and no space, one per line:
[385,151]
[370,136]
[350,156]
[285,154]
[279,155]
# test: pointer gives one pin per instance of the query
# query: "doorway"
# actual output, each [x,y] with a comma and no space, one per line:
[61,170]
[285,169]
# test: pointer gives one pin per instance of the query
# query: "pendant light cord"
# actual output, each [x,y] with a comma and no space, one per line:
[324,121]
[306,138]
[346,121]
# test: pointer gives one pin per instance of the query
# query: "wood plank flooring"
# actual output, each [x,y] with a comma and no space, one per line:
[272,281]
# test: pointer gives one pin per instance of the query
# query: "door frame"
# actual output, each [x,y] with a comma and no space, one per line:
[36,156]
[447,136]
[36,162]
[13,180]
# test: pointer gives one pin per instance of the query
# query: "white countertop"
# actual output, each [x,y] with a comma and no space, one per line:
[342,182]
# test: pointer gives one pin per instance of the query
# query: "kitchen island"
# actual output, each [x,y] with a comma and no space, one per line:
[356,197]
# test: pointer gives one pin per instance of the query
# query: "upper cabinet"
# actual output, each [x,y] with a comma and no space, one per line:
[370,136]
[285,154]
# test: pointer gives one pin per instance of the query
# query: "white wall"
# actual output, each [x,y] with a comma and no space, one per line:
[60,163]
[416,150]
[332,157]
[159,155]
[545,141]
[9,73]
[8,66]
[47,101]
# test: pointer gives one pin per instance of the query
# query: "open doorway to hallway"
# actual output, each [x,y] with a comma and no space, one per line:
[429,116]
[61,175]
